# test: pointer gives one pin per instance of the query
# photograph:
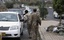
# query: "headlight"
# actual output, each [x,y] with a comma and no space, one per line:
[13,27]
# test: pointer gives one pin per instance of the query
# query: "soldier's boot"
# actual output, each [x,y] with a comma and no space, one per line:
[29,34]
[38,35]
[34,36]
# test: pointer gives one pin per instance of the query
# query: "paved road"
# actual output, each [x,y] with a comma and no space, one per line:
[25,35]
[50,14]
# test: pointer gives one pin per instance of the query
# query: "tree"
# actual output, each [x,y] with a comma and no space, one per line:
[43,10]
[9,4]
[58,6]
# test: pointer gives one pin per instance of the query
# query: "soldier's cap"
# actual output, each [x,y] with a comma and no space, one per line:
[26,11]
[34,10]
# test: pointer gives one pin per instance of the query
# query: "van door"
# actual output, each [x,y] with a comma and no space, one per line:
[21,22]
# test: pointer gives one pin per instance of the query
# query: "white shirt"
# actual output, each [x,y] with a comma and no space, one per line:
[25,16]
[54,29]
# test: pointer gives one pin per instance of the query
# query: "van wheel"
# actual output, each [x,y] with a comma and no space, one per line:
[55,17]
[22,33]
[19,38]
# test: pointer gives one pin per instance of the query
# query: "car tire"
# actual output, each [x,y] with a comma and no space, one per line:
[19,38]
[22,33]
[55,17]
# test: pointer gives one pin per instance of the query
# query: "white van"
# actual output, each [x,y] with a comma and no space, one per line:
[11,24]
[55,14]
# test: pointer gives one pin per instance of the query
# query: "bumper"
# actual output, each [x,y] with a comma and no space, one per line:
[11,34]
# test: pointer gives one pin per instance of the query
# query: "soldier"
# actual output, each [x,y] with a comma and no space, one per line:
[35,21]
[27,20]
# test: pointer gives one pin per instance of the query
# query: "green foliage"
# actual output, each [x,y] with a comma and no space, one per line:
[58,6]
[9,4]
[43,11]
[35,3]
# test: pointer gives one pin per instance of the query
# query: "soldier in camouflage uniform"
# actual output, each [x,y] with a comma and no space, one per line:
[27,20]
[35,21]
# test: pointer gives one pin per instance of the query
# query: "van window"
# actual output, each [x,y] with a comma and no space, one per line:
[8,17]
[19,16]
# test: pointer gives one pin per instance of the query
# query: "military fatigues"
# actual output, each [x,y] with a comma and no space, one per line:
[27,18]
[35,20]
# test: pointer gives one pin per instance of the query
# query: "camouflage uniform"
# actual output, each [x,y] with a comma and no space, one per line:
[27,18]
[35,20]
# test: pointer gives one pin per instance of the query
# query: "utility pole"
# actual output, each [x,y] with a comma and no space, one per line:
[42,4]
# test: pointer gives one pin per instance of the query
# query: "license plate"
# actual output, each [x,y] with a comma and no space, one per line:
[3,33]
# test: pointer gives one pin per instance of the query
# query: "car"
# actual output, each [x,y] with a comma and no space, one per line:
[56,15]
[11,24]
[50,7]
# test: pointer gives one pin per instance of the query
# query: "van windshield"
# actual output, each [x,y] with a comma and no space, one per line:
[8,17]
[16,10]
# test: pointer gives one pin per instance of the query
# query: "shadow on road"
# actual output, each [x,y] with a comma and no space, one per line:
[10,39]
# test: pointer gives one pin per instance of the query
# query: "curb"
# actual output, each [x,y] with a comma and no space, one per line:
[41,34]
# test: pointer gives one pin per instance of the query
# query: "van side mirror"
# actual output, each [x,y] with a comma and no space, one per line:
[22,20]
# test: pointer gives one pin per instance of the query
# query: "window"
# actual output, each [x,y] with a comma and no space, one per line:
[8,17]
[19,17]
